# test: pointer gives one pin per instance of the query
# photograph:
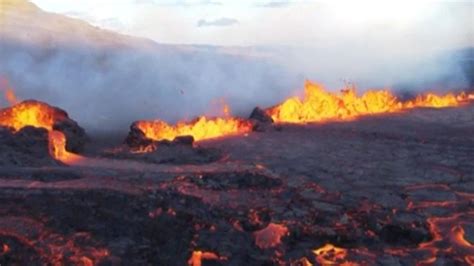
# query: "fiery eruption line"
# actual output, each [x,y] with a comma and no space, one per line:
[317,105]
[320,105]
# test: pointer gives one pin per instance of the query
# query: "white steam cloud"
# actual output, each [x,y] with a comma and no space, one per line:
[106,81]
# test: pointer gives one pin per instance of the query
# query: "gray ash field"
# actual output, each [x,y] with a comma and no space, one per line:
[393,189]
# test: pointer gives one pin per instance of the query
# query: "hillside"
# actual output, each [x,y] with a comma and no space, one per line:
[109,79]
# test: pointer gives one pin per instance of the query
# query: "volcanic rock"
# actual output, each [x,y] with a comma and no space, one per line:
[136,138]
[235,180]
[27,147]
[181,150]
[261,121]
[76,137]
[260,115]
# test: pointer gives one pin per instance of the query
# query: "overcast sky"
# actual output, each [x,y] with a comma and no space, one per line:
[279,22]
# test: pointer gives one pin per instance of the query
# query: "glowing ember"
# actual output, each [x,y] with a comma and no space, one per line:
[270,236]
[331,255]
[201,129]
[321,105]
[198,256]
[8,92]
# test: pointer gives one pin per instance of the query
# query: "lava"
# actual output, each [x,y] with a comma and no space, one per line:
[57,148]
[270,236]
[332,255]
[30,113]
[9,93]
[39,115]
[198,256]
[202,128]
[321,105]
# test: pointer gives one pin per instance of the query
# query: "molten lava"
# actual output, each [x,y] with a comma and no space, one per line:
[39,115]
[30,113]
[201,129]
[331,255]
[198,256]
[321,105]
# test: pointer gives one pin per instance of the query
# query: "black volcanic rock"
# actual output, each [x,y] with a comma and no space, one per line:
[181,150]
[29,146]
[260,115]
[184,140]
[76,136]
[261,121]
[136,138]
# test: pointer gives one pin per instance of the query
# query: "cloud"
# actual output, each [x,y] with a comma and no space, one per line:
[185,3]
[221,22]
[275,4]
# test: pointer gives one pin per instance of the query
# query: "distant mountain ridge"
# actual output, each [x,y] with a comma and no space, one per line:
[106,78]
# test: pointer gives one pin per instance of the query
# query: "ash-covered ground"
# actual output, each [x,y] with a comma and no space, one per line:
[395,189]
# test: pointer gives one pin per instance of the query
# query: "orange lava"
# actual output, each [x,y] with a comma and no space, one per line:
[9,93]
[332,255]
[30,113]
[270,236]
[198,256]
[321,105]
[57,148]
[201,128]
[450,230]
[39,115]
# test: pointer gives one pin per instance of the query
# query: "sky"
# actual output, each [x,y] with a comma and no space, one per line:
[278,22]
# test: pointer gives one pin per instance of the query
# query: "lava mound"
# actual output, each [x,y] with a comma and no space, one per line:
[181,150]
[26,131]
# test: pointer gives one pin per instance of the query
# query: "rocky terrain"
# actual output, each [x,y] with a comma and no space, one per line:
[395,189]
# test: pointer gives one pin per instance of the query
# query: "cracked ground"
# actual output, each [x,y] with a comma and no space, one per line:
[395,189]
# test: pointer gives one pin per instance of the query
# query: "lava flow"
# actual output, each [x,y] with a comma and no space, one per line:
[39,115]
[201,128]
[321,105]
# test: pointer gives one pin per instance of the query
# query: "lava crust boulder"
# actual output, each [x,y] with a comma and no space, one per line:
[136,138]
[76,137]
[24,133]
[27,147]
[261,121]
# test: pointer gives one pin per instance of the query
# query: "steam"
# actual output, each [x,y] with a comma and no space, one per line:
[106,84]
[113,88]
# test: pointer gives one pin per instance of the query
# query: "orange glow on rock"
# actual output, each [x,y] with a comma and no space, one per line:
[39,115]
[270,236]
[201,128]
[332,255]
[198,256]
[30,113]
[57,148]
[320,105]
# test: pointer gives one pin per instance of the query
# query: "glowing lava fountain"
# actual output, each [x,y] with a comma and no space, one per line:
[39,115]
[201,128]
[320,105]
